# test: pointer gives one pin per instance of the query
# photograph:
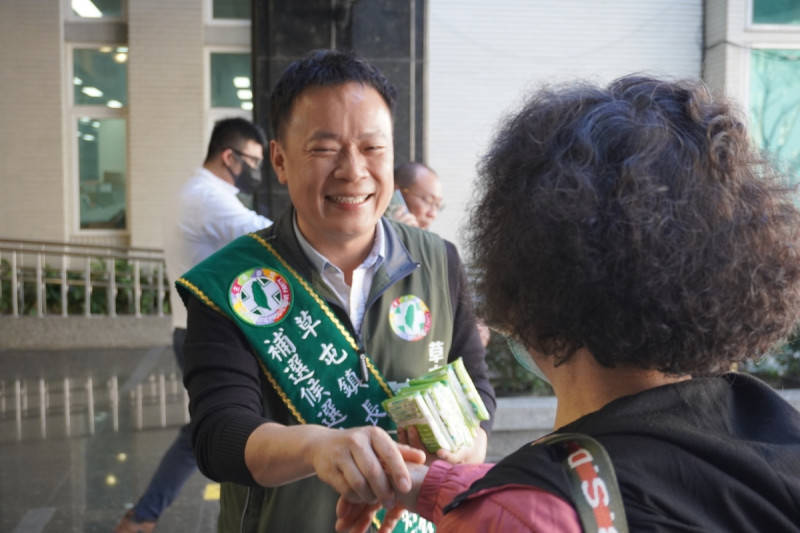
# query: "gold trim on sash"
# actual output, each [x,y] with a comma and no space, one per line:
[201,295]
[323,306]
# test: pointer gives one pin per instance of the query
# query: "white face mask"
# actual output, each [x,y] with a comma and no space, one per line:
[524,358]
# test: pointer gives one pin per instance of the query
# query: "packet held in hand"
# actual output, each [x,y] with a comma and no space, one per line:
[443,405]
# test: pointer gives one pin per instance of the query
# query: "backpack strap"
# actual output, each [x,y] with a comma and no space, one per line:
[592,480]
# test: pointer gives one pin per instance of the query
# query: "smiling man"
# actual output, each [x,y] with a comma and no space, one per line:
[335,155]
[298,332]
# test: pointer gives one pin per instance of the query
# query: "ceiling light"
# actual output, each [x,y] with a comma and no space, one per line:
[114,104]
[94,92]
[244,94]
[86,9]
[247,106]
[241,82]
[120,57]
[77,81]
[88,137]
[105,49]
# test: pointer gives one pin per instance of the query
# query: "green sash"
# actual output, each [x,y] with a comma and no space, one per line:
[305,352]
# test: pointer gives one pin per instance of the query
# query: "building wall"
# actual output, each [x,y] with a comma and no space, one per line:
[167,127]
[716,30]
[483,57]
[32,177]
[740,37]
[736,58]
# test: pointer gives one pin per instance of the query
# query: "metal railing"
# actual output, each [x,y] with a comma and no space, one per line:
[41,278]
[70,406]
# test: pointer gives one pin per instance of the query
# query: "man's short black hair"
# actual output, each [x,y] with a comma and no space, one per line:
[324,68]
[233,133]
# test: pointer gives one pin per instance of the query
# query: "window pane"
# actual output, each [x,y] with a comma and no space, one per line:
[100,76]
[97,8]
[232,9]
[230,81]
[775,103]
[776,12]
[102,165]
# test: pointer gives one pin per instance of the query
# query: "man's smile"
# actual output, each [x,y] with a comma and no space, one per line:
[349,199]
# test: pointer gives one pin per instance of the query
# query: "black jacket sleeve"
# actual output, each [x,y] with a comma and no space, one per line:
[466,338]
[223,381]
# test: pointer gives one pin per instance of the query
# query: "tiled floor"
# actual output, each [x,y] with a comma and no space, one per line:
[81,432]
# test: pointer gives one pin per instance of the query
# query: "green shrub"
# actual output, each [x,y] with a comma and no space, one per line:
[781,366]
[507,376]
[76,290]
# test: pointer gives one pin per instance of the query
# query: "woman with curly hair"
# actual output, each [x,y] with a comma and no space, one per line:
[635,246]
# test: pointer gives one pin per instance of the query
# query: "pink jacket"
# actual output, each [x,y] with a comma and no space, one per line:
[504,509]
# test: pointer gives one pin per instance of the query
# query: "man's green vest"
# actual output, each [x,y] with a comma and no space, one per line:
[321,371]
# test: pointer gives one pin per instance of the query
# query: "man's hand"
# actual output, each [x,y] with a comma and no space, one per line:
[356,517]
[364,465]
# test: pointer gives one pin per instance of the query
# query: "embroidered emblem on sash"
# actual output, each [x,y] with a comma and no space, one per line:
[410,318]
[260,296]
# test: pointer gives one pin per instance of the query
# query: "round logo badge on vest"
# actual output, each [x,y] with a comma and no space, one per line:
[260,296]
[410,318]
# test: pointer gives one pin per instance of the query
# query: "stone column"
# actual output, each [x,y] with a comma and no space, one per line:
[389,33]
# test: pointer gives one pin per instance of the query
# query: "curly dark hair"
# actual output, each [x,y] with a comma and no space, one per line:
[637,221]
[323,68]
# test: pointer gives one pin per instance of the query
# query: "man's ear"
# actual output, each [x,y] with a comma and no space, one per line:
[278,159]
[227,157]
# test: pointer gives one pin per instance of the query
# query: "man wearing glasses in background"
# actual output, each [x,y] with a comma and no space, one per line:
[421,191]
[205,216]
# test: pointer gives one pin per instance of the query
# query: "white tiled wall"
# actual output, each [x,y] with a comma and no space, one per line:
[485,56]
[167,102]
[32,181]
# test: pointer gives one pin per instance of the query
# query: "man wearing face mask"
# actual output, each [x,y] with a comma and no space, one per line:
[205,216]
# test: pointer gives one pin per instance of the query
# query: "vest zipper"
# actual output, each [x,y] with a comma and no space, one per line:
[362,359]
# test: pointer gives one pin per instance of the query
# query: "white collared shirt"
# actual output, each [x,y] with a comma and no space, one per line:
[204,216]
[352,297]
